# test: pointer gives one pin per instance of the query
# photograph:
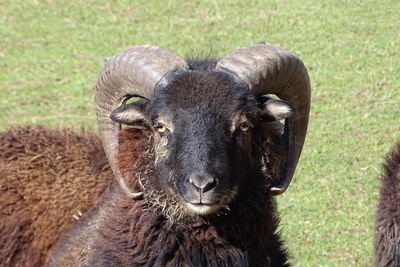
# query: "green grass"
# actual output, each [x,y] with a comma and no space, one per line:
[52,51]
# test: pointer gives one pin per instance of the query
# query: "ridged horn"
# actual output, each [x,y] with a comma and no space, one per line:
[272,70]
[135,72]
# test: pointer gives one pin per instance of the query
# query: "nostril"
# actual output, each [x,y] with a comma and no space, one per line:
[211,184]
[202,183]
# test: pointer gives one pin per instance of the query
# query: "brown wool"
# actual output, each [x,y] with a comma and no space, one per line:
[48,178]
[134,159]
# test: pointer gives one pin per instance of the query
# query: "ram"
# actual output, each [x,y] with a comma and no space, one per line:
[201,193]
[387,223]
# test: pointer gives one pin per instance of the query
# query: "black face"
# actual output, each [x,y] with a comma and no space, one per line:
[203,124]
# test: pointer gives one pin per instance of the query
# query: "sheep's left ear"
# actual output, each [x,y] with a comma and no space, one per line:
[130,114]
[275,110]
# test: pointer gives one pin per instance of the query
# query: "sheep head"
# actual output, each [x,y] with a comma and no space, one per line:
[207,125]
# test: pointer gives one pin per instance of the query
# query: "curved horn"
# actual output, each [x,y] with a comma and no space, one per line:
[272,70]
[135,72]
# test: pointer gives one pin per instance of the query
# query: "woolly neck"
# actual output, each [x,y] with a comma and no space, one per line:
[131,233]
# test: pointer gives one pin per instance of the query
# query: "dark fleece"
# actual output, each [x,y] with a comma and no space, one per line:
[387,225]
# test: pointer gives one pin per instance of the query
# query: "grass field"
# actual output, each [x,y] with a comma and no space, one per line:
[52,51]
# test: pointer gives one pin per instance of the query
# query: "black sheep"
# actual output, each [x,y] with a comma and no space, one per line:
[201,192]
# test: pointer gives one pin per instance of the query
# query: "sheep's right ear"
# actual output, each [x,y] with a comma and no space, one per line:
[130,114]
[275,110]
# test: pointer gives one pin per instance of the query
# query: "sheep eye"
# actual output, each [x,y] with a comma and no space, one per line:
[244,127]
[160,128]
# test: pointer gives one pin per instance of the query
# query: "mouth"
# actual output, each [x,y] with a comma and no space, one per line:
[207,204]
[202,209]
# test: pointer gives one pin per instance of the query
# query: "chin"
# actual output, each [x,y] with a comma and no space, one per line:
[202,209]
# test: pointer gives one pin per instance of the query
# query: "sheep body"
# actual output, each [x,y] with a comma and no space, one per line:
[387,224]
[49,179]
